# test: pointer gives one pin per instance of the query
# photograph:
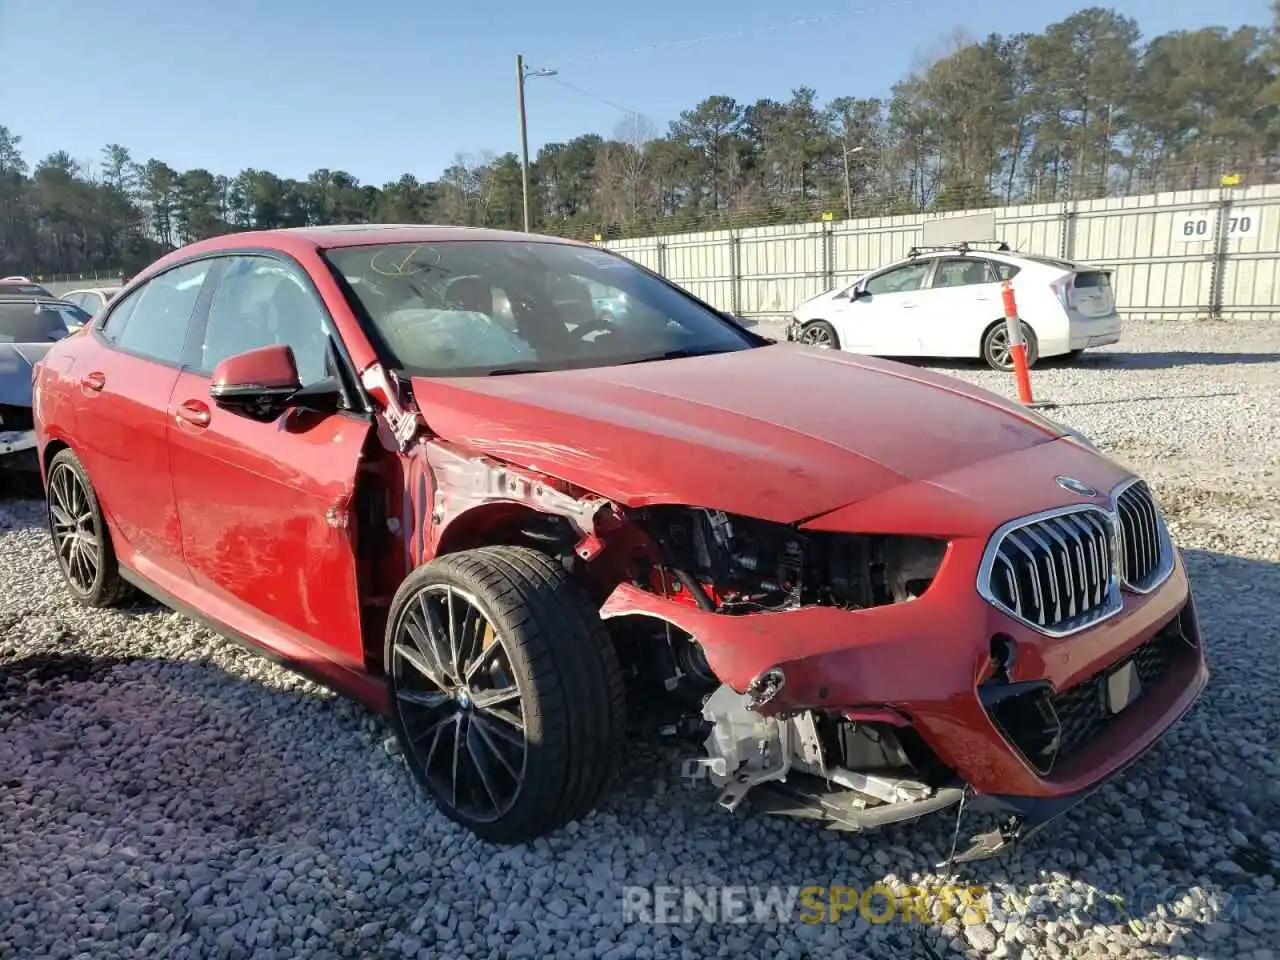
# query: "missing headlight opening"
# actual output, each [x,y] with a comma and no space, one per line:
[853,768]
[739,565]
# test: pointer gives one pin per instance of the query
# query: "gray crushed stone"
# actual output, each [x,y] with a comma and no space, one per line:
[164,794]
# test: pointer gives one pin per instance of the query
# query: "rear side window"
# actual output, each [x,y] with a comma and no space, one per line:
[962,272]
[152,321]
[1005,271]
[31,322]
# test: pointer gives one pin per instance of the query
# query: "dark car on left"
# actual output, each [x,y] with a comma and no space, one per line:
[29,324]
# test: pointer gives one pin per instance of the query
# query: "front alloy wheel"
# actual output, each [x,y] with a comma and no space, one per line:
[459,695]
[820,334]
[506,693]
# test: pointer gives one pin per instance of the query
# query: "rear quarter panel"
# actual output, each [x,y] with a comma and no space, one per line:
[54,394]
[1040,308]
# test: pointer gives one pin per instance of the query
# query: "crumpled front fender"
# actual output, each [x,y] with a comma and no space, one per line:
[928,649]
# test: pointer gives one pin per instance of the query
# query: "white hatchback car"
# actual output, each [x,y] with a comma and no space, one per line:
[946,302]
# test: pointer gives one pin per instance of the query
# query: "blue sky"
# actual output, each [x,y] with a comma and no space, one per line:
[381,87]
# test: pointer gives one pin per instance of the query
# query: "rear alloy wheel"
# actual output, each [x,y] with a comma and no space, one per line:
[81,540]
[506,693]
[820,334]
[998,352]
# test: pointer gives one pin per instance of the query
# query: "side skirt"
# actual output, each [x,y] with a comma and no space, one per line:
[356,685]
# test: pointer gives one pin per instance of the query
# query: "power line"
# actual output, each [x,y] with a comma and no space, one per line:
[739,34]
[592,96]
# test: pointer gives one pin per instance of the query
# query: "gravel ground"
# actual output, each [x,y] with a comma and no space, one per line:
[164,794]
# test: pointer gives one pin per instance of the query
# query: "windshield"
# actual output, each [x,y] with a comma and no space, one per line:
[30,321]
[478,307]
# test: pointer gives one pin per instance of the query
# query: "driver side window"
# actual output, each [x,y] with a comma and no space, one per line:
[900,279]
[260,302]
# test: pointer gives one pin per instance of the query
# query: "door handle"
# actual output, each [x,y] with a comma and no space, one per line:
[93,382]
[194,412]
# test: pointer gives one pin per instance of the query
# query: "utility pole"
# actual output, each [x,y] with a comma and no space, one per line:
[524,141]
[523,72]
[848,182]
[848,188]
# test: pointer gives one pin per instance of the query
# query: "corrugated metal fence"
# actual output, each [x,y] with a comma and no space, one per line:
[1202,253]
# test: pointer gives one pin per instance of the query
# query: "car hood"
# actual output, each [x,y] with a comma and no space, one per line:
[781,432]
[828,296]
[16,361]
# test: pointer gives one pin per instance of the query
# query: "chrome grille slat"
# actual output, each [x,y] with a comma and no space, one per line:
[1075,560]
[1097,557]
[1062,565]
[1044,555]
[1056,571]
[1063,570]
[1144,543]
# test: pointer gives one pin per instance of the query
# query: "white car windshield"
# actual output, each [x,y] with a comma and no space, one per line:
[482,307]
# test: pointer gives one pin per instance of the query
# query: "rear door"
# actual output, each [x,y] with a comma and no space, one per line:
[121,415]
[885,320]
[265,508]
[963,299]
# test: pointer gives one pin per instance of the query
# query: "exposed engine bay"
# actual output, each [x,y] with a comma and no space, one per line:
[739,565]
[852,774]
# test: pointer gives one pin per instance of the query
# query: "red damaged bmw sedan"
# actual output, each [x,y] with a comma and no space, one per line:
[421,465]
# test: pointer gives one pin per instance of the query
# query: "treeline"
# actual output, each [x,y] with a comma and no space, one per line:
[1084,109]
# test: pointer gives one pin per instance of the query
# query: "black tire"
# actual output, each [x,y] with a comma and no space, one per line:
[553,647]
[67,480]
[995,347]
[819,333]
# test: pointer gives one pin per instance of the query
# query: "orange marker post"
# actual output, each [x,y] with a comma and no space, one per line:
[1017,345]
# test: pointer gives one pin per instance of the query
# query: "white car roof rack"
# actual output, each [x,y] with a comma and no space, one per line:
[961,247]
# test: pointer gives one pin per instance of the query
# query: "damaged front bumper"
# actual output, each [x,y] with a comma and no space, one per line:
[923,670]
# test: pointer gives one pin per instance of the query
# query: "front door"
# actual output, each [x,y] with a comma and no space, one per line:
[266,508]
[883,321]
[126,382]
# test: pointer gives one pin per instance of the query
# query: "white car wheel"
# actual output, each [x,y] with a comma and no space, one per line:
[820,334]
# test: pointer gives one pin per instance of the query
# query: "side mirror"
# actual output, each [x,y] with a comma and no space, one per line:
[860,292]
[258,384]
